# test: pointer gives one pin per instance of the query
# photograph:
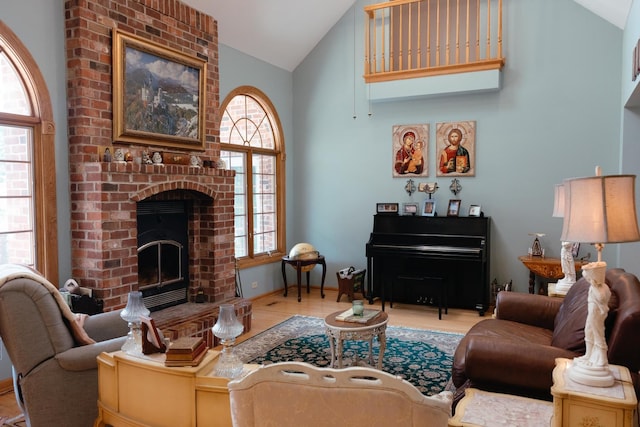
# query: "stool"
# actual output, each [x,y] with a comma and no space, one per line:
[354,284]
[438,282]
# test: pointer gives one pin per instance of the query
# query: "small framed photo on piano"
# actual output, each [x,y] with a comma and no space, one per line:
[409,208]
[429,208]
[474,210]
[454,207]
[387,208]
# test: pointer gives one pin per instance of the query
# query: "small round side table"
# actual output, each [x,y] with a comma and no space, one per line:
[298,263]
[339,331]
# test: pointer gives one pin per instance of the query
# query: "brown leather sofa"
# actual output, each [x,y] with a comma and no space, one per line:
[515,352]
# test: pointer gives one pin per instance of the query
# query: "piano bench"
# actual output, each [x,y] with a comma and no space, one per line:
[439,283]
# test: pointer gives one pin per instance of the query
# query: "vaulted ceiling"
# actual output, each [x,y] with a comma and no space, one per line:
[283,32]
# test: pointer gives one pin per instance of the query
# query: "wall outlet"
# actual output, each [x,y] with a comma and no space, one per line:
[254,285]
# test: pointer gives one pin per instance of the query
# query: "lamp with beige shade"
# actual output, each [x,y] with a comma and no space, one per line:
[598,210]
[566,257]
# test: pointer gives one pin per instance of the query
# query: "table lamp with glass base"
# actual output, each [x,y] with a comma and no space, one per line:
[131,314]
[228,328]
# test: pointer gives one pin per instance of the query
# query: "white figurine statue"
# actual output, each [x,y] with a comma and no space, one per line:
[592,368]
[156,158]
[568,268]
[195,161]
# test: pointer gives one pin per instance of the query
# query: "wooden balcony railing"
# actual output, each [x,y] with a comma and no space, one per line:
[419,38]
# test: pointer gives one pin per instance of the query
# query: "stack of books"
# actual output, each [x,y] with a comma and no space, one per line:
[186,351]
[367,315]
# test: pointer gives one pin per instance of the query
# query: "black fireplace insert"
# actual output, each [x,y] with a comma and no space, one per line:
[163,253]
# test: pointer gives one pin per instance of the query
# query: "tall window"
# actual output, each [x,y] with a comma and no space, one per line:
[252,145]
[28,220]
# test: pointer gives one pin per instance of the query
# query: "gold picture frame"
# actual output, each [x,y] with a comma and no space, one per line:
[158,94]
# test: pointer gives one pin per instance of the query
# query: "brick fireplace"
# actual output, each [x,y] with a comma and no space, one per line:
[104,195]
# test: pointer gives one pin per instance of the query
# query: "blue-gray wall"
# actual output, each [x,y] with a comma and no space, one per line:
[556,116]
[629,253]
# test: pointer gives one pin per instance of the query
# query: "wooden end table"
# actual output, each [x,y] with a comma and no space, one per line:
[548,268]
[580,405]
[339,331]
[141,391]
[298,263]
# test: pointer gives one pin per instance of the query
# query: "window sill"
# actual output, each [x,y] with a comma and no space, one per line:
[260,260]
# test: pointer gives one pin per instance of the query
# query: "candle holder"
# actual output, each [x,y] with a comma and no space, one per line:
[131,314]
[227,329]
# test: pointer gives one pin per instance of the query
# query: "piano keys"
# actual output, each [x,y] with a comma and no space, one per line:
[404,249]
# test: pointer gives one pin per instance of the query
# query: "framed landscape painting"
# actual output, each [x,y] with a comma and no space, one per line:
[158,94]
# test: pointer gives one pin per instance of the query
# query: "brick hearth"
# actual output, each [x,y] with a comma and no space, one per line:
[193,319]
[104,195]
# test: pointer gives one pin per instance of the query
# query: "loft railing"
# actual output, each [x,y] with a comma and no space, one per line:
[419,38]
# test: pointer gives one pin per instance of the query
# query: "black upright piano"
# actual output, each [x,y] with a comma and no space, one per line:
[402,249]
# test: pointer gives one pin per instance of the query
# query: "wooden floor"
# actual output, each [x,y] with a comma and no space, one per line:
[272,309]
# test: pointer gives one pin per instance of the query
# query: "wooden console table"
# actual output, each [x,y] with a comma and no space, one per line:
[548,268]
[142,392]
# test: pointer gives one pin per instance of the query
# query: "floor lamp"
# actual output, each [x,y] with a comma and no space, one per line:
[598,210]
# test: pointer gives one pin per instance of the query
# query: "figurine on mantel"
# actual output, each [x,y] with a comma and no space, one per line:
[146,160]
[195,161]
[157,158]
[118,155]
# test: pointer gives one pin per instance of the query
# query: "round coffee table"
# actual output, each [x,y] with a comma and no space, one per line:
[339,331]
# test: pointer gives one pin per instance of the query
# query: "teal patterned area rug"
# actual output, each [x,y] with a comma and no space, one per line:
[421,357]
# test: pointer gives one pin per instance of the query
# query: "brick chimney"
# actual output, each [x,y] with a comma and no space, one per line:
[104,195]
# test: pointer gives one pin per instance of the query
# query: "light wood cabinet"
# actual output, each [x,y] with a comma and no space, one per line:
[142,392]
[576,405]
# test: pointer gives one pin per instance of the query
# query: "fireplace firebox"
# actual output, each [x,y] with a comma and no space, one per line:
[163,252]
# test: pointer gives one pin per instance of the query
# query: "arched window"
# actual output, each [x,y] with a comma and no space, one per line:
[28,218]
[252,144]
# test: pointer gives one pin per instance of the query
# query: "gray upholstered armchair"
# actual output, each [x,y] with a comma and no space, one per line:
[52,352]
